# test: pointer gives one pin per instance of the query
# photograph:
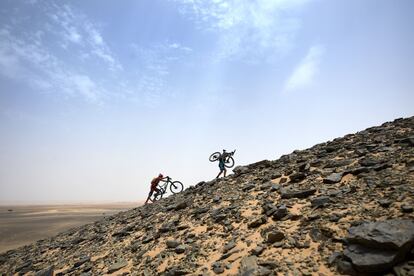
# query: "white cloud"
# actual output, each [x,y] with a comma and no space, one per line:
[24,60]
[65,53]
[155,64]
[305,72]
[86,87]
[75,28]
[249,30]
[178,46]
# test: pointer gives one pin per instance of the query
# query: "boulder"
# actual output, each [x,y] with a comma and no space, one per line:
[390,234]
[180,249]
[375,247]
[181,205]
[257,222]
[280,212]
[117,266]
[320,201]
[45,272]
[289,192]
[275,236]
[239,170]
[333,178]
[172,243]
[248,265]
[296,177]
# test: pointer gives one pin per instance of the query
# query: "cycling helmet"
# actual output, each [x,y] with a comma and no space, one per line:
[160,175]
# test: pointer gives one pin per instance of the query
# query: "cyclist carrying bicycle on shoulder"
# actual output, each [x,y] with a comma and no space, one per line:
[222,160]
[154,183]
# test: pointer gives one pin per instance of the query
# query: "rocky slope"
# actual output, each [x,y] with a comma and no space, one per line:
[345,206]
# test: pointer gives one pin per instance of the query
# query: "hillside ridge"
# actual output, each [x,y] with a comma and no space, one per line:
[340,207]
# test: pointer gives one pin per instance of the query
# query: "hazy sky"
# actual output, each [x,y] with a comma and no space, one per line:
[97,97]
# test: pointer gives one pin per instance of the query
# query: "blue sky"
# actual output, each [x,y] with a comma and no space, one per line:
[97,97]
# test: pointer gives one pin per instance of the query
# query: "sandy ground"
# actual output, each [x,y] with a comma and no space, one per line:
[21,225]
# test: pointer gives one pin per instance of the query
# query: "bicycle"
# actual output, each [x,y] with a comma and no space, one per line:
[228,161]
[175,187]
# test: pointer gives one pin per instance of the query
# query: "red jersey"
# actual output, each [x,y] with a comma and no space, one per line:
[155,182]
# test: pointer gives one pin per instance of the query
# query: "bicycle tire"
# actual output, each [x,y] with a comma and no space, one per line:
[157,196]
[176,187]
[214,157]
[229,163]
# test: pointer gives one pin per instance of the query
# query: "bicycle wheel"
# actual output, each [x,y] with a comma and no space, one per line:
[176,187]
[157,196]
[214,156]
[229,163]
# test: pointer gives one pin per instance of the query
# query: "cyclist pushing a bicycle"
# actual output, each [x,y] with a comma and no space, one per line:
[154,183]
[161,189]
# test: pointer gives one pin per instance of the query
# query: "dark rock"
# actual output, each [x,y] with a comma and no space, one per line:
[264,271]
[218,268]
[408,140]
[121,233]
[199,211]
[248,266]
[148,239]
[257,222]
[229,246]
[389,234]
[368,162]
[333,178]
[117,266]
[376,246]
[45,272]
[289,192]
[239,170]
[275,236]
[180,249]
[280,212]
[358,170]
[268,263]
[345,267]
[366,259]
[228,254]
[318,235]
[257,250]
[175,271]
[296,177]
[82,260]
[268,208]
[384,202]
[282,180]
[334,257]
[181,205]
[407,208]
[320,201]
[275,187]
[24,265]
[248,187]
[172,243]
[338,163]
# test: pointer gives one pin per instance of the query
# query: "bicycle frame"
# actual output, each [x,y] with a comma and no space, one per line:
[165,185]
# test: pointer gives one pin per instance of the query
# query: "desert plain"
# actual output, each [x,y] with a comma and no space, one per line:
[22,225]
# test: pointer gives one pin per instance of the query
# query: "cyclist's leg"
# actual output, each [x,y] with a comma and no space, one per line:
[149,196]
[222,168]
